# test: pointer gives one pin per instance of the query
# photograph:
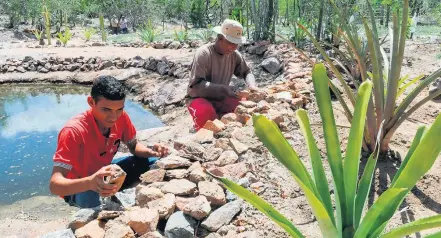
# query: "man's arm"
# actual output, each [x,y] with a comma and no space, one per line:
[210,90]
[251,81]
[64,159]
[142,151]
[62,186]
[243,71]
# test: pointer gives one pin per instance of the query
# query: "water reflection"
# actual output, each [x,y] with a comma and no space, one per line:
[30,118]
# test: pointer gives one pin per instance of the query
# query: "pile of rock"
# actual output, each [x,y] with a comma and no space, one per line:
[82,64]
[178,197]
[163,45]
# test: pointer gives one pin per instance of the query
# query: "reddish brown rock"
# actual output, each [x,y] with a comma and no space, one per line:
[230,117]
[165,206]
[93,229]
[215,126]
[198,207]
[142,220]
[151,176]
[214,193]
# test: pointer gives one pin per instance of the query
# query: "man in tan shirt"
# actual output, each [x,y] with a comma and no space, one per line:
[213,66]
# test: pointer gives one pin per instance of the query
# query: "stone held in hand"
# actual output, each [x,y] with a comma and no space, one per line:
[118,176]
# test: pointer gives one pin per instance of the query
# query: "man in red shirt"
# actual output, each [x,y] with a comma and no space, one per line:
[88,142]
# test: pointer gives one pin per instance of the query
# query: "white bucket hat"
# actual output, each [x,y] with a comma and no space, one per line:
[232,31]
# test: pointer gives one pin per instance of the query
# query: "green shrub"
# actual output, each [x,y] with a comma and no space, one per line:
[148,33]
[38,34]
[384,107]
[88,33]
[64,38]
[205,35]
[181,36]
[351,193]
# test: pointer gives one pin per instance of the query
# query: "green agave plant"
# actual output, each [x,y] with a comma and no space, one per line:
[388,84]
[89,32]
[64,38]
[350,191]
[148,32]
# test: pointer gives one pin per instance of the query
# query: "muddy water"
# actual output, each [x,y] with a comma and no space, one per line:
[30,118]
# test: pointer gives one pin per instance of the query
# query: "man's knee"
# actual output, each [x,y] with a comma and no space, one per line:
[201,110]
[201,106]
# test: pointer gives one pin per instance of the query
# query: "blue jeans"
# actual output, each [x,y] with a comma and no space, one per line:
[132,165]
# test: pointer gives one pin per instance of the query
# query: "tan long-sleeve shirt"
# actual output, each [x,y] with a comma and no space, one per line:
[210,66]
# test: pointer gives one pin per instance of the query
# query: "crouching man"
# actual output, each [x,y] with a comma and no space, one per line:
[88,143]
[213,65]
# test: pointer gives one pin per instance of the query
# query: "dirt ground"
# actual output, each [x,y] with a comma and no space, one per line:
[39,215]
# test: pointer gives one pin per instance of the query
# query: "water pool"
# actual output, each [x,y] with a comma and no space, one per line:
[30,118]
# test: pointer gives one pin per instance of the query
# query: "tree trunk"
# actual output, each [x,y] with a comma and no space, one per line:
[387,15]
[11,21]
[320,21]
[382,15]
[248,19]
[287,13]
[255,20]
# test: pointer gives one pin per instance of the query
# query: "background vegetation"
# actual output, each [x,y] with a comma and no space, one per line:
[263,19]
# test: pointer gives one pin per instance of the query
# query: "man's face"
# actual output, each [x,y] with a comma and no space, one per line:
[226,47]
[105,111]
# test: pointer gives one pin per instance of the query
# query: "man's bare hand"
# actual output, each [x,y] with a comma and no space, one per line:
[230,91]
[159,151]
[98,185]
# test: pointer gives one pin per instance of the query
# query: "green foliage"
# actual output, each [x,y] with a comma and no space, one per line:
[148,33]
[197,13]
[298,36]
[64,37]
[351,191]
[181,36]
[388,83]
[47,21]
[38,34]
[205,35]
[103,32]
[89,32]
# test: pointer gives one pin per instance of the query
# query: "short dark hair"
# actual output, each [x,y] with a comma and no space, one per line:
[108,87]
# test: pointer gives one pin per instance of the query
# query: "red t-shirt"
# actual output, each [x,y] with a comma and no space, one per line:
[83,150]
